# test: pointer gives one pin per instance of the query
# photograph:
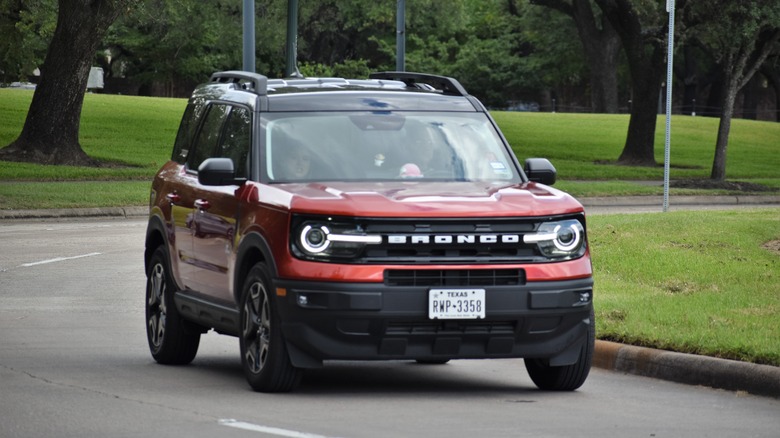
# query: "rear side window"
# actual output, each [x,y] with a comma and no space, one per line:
[181,148]
[206,142]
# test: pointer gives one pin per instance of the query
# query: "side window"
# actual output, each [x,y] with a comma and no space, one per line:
[206,143]
[181,147]
[237,139]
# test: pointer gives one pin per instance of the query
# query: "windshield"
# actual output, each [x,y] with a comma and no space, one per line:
[375,146]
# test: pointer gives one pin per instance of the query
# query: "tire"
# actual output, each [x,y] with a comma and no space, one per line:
[172,340]
[264,356]
[567,377]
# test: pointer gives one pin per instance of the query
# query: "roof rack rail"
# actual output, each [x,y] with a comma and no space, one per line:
[419,80]
[249,81]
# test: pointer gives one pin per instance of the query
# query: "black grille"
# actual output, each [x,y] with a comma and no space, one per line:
[478,327]
[454,277]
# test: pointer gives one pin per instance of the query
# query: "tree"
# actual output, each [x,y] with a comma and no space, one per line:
[176,43]
[740,35]
[602,49]
[26,28]
[640,24]
[51,131]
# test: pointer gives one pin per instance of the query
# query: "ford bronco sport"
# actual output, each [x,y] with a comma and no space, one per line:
[375,219]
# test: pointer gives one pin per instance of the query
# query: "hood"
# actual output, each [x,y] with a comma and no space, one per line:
[420,199]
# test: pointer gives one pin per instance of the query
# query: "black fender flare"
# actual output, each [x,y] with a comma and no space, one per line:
[252,249]
[157,234]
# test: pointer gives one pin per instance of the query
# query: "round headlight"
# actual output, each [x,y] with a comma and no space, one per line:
[314,239]
[559,240]
[567,236]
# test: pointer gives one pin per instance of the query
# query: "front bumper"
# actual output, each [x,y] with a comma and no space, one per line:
[373,321]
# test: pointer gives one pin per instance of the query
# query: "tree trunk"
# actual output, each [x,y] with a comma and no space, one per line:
[601,45]
[738,66]
[639,149]
[51,131]
[646,53]
[603,82]
[729,94]
[602,48]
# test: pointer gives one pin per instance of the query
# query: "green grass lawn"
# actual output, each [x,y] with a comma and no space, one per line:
[690,282]
[576,142]
[683,281]
[134,134]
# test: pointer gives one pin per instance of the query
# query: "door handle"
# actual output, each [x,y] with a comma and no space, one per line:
[202,204]
[173,197]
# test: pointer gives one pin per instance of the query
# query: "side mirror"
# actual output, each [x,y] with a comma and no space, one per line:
[218,172]
[540,170]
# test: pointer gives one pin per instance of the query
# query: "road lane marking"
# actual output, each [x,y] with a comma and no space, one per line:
[59,259]
[267,429]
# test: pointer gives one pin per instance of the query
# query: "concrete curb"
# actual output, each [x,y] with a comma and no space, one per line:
[60,213]
[688,368]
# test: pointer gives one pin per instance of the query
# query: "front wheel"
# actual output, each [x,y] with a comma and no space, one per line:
[264,356]
[567,377]
[171,340]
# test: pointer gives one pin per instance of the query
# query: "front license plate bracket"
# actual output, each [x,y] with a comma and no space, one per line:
[456,304]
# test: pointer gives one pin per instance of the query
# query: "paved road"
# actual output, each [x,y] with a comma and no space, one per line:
[74,362]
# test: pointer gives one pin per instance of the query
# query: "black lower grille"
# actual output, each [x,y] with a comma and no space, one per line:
[451,327]
[454,277]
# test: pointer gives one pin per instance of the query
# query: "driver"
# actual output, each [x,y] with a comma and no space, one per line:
[426,150]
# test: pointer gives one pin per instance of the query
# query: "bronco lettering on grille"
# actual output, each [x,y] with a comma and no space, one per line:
[446,239]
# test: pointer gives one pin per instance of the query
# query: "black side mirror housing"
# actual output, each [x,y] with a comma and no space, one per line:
[540,170]
[218,172]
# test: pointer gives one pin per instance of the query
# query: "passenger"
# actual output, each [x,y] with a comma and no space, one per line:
[295,160]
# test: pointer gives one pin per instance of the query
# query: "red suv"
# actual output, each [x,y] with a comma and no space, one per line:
[375,219]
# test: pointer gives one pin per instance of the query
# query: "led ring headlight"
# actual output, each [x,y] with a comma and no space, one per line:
[558,240]
[318,240]
[570,234]
[315,240]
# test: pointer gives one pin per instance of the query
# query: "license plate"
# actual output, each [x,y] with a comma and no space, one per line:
[456,303]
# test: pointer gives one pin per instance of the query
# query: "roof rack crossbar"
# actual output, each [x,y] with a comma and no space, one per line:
[419,80]
[247,80]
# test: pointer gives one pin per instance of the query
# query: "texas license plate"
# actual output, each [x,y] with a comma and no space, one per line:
[456,303]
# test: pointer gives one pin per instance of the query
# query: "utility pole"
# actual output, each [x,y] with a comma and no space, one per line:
[249,36]
[291,70]
[400,36]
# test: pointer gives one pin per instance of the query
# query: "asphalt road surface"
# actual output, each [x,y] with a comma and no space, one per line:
[74,363]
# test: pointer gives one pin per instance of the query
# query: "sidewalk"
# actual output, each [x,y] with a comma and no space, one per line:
[666,365]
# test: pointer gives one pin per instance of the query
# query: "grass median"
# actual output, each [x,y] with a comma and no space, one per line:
[703,283]
[690,282]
